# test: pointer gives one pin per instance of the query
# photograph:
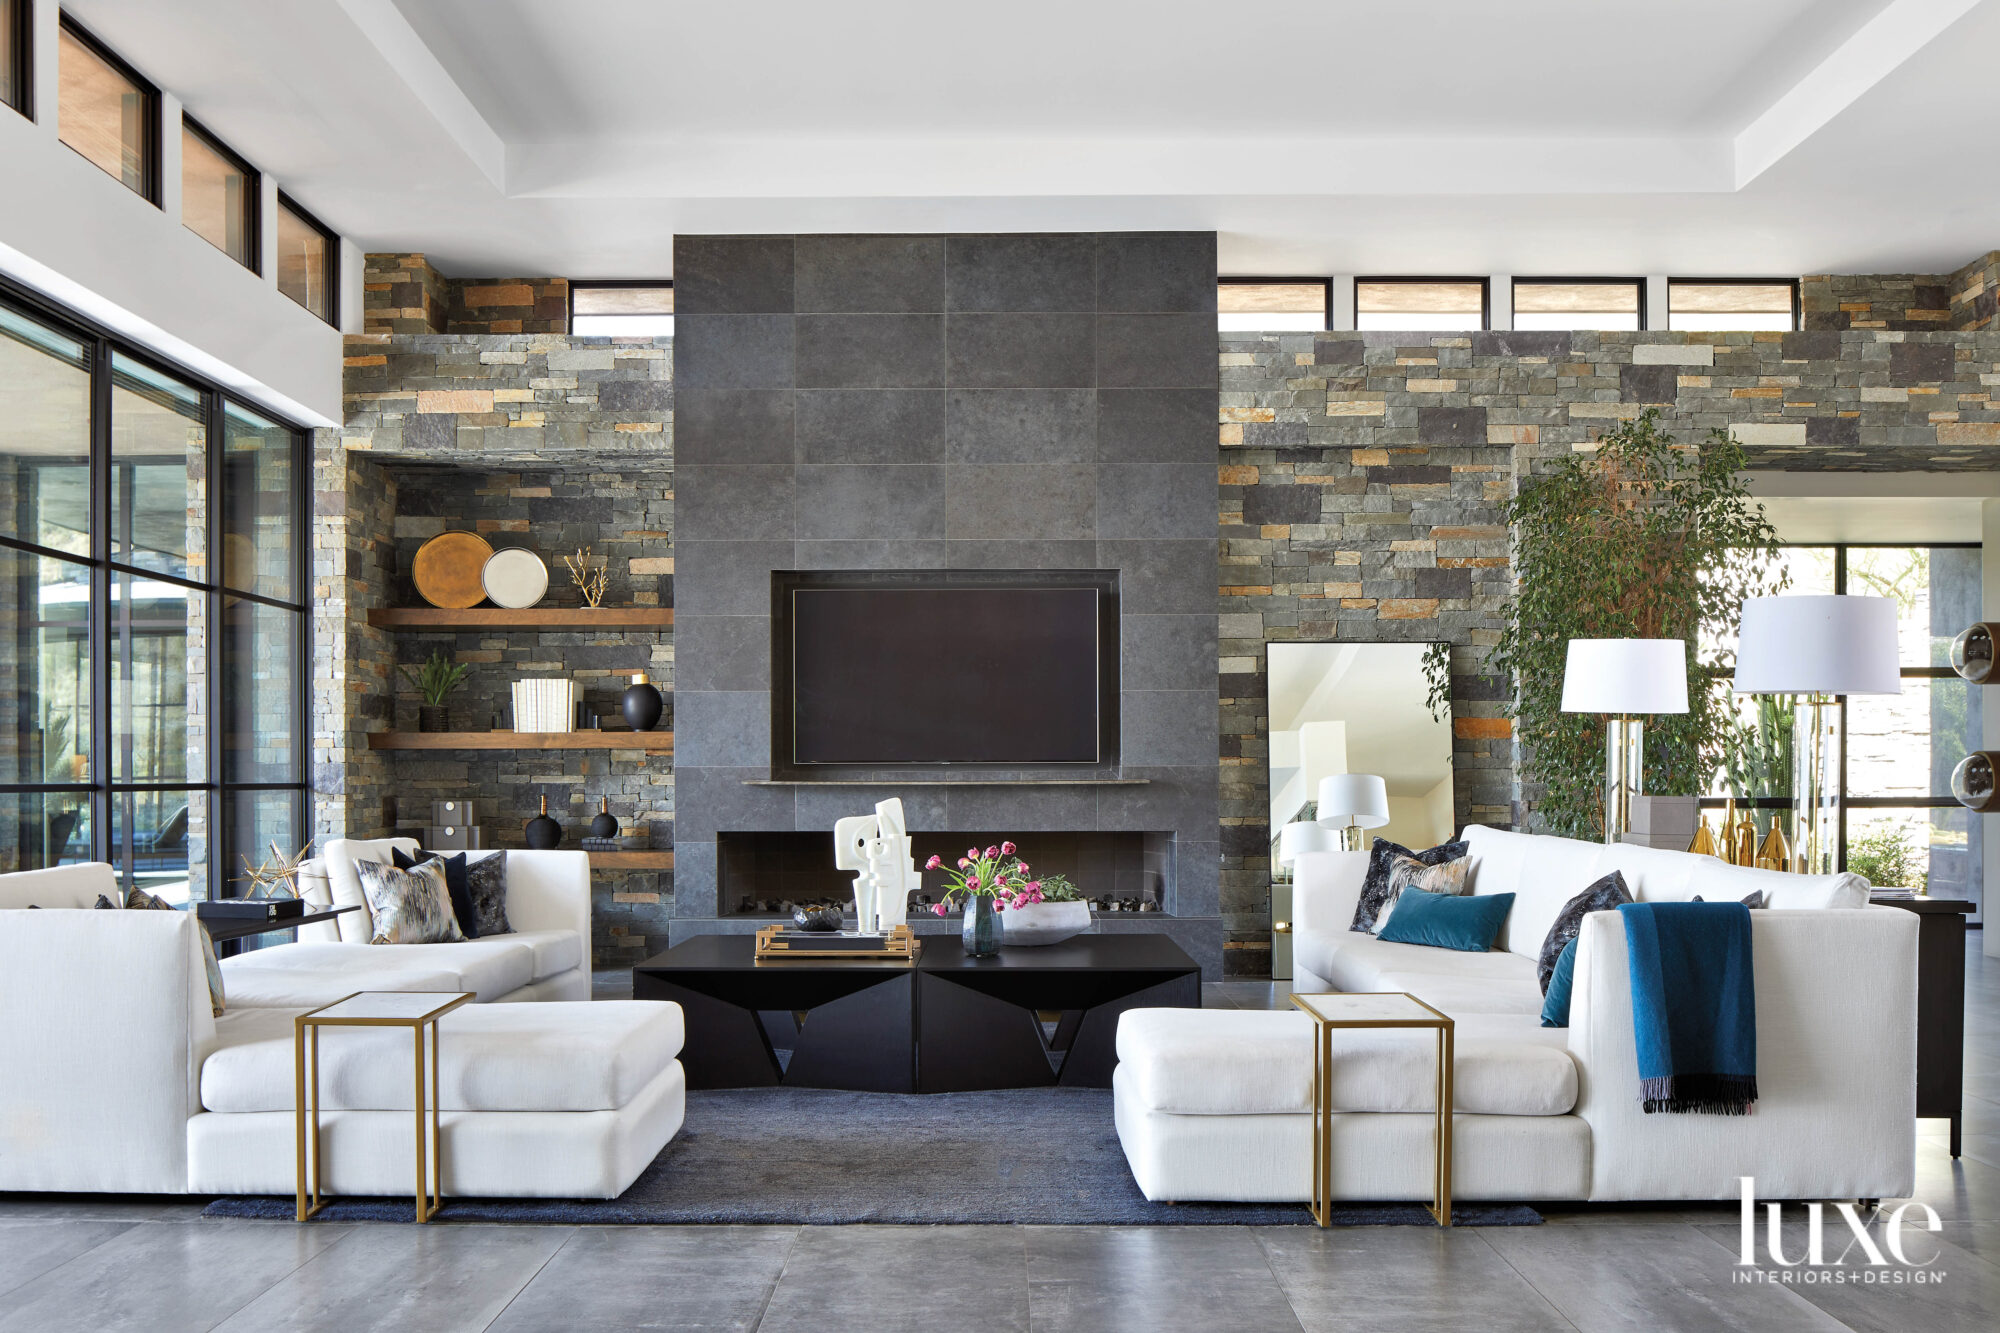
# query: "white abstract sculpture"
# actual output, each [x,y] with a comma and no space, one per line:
[877,849]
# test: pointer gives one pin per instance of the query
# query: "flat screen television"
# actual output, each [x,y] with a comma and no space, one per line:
[1016,675]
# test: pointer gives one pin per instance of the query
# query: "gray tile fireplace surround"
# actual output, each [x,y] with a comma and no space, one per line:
[1031,402]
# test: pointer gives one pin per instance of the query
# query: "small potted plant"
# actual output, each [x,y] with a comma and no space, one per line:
[1048,910]
[436,680]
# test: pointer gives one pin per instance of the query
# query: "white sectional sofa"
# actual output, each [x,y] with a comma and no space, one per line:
[546,958]
[118,1077]
[1217,1104]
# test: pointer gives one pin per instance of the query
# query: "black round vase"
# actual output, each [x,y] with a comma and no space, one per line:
[543,833]
[606,823]
[641,704]
[433,717]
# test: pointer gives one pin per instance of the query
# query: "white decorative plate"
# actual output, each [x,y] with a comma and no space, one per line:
[514,577]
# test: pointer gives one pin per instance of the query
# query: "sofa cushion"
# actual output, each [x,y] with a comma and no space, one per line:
[1652,874]
[454,883]
[486,887]
[345,885]
[1718,881]
[142,901]
[1243,1062]
[502,1057]
[1406,872]
[408,906]
[554,951]
[1602,896]
[1442,921]
[1375,886]
[1541,872]
[488,967]
[310,982]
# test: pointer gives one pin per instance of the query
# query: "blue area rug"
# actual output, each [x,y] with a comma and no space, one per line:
[800,1156]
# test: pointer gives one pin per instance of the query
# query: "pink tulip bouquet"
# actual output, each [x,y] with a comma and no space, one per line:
[996,873]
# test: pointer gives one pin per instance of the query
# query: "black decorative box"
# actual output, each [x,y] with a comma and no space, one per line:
[251,909]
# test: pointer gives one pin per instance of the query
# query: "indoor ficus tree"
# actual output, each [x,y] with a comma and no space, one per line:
[1642,538]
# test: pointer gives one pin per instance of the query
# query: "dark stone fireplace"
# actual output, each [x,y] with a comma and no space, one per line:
[948,403]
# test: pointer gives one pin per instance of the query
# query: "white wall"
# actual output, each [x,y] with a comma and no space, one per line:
[73,233]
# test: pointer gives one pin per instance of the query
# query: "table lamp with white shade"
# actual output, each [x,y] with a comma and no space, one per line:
[1350,802]
[1817,649]
[1624,679]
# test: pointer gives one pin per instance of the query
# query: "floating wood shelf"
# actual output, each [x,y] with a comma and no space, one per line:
[631,860]
[653,742]
[543,617]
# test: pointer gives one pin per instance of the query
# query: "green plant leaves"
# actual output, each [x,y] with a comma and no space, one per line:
[1644,538]
[437,679]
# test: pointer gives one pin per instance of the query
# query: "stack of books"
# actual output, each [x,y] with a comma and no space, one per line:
[544,705]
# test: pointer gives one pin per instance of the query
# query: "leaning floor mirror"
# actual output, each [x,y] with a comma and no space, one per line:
[1355,750]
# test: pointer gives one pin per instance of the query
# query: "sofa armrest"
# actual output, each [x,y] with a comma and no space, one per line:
[1836,994]
[107,1023]
[1325,887]
[550,891]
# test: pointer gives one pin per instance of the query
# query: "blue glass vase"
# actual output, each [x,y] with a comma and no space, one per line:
[981,930]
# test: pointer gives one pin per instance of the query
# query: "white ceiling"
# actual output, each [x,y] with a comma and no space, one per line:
[1550,136]
[1379,691]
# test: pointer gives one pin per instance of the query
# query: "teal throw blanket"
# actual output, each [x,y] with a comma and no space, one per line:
[1694,1006]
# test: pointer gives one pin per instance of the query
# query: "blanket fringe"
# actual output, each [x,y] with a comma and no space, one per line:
[1699,1094]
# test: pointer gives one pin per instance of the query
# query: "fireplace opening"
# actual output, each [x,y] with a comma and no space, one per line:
[769,874]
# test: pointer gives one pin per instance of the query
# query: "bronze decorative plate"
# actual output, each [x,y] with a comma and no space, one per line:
[447,569]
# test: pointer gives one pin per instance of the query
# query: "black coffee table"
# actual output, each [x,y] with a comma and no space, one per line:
[949,1023]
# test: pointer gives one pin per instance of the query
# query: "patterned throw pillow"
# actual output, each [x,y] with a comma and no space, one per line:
[1447,879]
[1754,898]
[138,900]
[408,906]
[1375,885]
[454,884]
[1602,896]
[486,885]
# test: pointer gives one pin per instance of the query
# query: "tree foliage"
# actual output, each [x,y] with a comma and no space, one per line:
[1642,538]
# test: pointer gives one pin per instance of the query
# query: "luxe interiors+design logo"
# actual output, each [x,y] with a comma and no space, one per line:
[1863,1255]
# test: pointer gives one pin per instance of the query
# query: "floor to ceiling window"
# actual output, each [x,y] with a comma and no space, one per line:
[150,587]
[1899,823]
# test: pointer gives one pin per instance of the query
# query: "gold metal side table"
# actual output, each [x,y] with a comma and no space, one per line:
[415,1010]
[1374,1009]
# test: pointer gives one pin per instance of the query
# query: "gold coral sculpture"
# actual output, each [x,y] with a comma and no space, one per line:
[590,582]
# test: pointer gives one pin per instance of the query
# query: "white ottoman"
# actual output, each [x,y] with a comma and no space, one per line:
[538,1100]
[1216,1104]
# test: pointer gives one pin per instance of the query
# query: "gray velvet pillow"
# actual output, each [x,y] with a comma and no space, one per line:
[1754,898]
[486,886]
[1375,885]
[1602,896]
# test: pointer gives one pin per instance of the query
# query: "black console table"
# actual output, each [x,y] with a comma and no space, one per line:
[946,1023]
[1940,1007]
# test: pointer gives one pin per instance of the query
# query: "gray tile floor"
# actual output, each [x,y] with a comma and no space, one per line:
[100,1264]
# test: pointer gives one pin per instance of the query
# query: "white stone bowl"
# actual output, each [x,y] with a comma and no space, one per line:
[1043,923]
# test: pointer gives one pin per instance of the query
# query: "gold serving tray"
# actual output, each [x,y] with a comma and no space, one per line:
[784,943]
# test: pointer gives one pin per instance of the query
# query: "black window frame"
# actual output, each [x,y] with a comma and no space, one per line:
[154,138]
[254,222]
[24,59]
[287,204]
[1847,801]
[101,790]
[1485,294]
[1297,280]
[1515,284]
[1792,283]
[570,290]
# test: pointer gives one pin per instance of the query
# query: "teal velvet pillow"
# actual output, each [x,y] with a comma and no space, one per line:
[1555,1005]
[1444,922]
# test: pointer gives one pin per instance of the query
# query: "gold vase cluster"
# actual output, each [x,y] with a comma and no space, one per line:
[1738,845]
